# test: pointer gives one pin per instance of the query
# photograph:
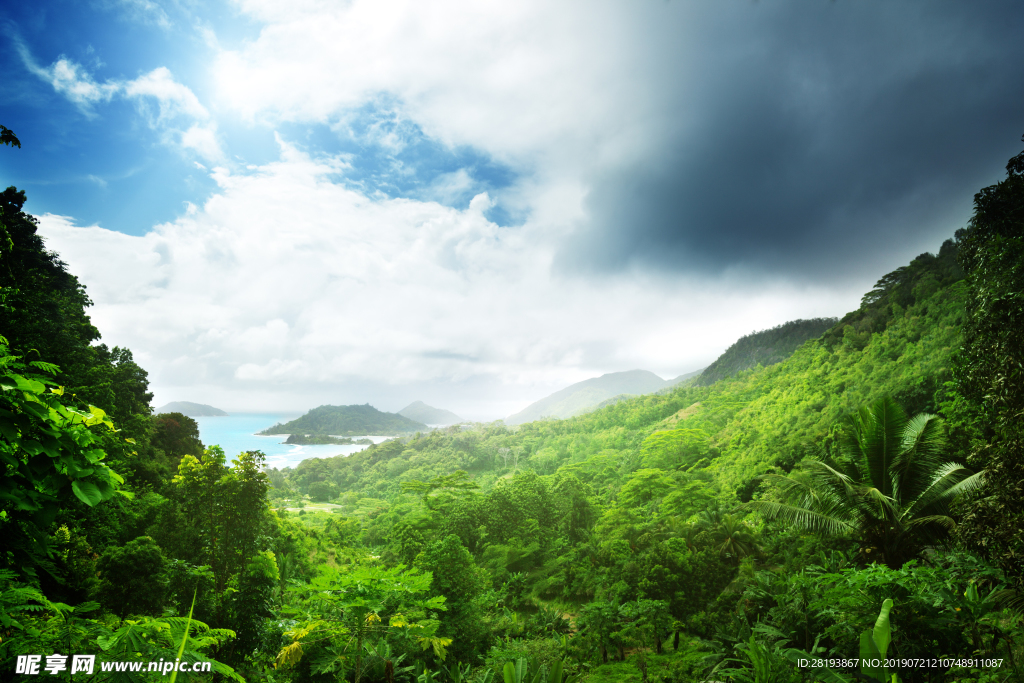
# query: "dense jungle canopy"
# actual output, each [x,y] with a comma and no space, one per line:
[856,493]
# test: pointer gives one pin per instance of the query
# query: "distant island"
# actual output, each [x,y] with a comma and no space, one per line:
[429,415]
[324,440]
[191,409]
[347,421]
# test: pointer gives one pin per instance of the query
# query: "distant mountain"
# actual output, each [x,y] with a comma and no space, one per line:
[588,394]
[680,379]
[766,347]
[191,409]
[429,415]
[348,421]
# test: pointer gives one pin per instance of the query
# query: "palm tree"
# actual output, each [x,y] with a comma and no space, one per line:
[888,485]
[733,538]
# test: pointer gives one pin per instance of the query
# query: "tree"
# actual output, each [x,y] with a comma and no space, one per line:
[596,622]
[251,603]
[42,306]
[191,529]
[220,515]
[171,436]
[989,369]
[132,578]
[50,453]
[7,137]
[888,485]
[734,539]
[445,486]
[244,512]
[456,578]
[346,611]
[322,491]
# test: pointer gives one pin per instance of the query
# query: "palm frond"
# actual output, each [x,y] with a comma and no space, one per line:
[944,521]
[956,483]
[1010,599]
[827,477]
[880,427]
[921,452]
[945,486]
[800,516]
[877,505]
[924,435]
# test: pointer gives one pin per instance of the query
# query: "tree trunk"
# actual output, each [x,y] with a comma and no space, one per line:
[359,656]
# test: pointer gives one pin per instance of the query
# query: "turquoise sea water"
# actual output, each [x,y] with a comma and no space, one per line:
[237,433]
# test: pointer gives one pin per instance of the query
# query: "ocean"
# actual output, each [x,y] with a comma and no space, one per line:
[237,433]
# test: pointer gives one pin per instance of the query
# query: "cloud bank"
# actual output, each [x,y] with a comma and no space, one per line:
[287,289]
[476,204]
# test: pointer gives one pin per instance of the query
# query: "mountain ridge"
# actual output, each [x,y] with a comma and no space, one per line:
[581,397]
[765,347]
[191,409]
[429,415]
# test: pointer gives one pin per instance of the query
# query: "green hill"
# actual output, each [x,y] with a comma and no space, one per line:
[421,412]
[749,423]
[586,395]
[347,421]
[764,348]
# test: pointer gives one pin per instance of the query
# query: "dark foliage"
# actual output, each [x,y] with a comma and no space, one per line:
[764,348]
[989,369]
[896,292]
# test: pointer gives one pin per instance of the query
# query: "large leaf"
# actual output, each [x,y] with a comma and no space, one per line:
[87,492]
[882,633]
[869,654]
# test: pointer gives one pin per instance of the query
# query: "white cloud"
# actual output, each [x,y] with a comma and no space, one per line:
[203,140]
[71,80]
[166,103]
[558,92]
[146,12]
[173,99]
[289,290]
[516,79]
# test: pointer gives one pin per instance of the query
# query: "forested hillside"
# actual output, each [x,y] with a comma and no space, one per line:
[586,395]
[859,499]
[764,348]
[347,421]
[744,425]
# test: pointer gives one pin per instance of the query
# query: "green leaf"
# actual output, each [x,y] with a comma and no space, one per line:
[87,492]
[881,634]
[184,638]
[869,651]
[45,367]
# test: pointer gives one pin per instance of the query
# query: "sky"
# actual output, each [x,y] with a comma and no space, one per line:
[474,204]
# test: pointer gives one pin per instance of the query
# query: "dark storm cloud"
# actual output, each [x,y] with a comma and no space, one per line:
[817,138]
